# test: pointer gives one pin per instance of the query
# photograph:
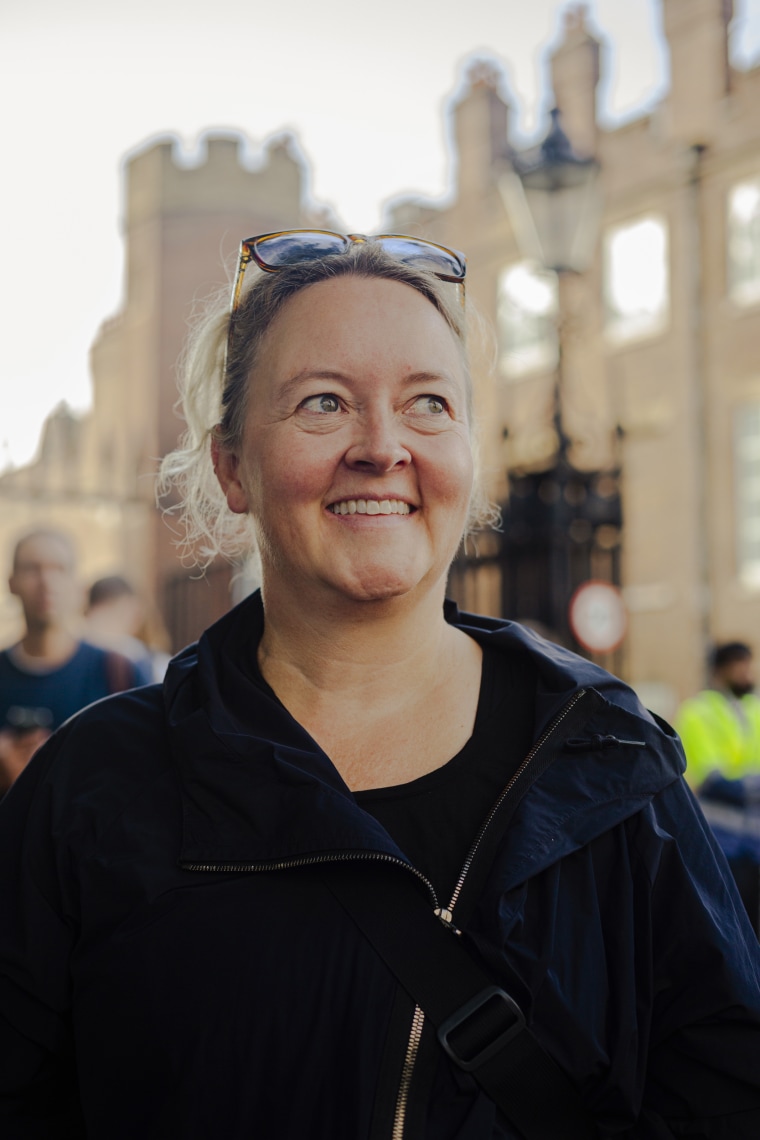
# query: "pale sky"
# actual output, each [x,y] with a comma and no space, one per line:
[365,88]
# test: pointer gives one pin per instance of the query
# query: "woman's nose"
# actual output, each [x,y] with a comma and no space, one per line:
[377,445]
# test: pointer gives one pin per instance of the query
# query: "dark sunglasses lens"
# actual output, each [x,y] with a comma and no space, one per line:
[425,256]
[290,249]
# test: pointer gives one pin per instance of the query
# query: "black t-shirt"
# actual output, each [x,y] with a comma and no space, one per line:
[435,819]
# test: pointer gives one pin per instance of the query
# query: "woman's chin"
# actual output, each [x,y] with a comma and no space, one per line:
[382,584]
[376,590]
[346,581]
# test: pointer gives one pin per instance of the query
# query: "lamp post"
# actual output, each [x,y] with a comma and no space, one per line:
[552,197]
[553,200]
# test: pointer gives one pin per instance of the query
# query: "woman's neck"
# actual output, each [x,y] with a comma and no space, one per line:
[342,647]
[388,692]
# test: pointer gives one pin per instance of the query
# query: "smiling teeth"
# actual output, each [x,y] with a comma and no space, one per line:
[370,507]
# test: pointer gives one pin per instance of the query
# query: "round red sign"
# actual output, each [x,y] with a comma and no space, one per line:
[598,617]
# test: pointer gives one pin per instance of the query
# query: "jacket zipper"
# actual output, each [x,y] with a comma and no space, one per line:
[412,1049]
[548,732]
[444,913]
[446,916]
[313,860]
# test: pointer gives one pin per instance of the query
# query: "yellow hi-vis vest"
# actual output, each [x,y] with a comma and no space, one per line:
[717,737]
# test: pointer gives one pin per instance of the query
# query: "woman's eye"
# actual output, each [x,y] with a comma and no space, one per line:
[324,403]
[430,405]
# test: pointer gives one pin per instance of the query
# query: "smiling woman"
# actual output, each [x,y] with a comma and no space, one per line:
[357,396]
[367,867]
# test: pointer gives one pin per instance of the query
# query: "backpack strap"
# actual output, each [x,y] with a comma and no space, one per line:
[479,1024]
[120,672]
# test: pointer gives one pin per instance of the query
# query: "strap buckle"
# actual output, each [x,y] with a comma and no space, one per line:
[481,1037]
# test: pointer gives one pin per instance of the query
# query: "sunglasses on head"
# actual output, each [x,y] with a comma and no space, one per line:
[290,247]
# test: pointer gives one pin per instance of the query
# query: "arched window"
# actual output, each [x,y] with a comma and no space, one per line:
[527,320]
[636,279]
[743,245]
[747,496]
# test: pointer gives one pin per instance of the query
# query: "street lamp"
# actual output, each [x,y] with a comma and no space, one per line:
[553,199]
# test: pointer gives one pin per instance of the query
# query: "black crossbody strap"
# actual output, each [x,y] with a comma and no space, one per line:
[479,1024]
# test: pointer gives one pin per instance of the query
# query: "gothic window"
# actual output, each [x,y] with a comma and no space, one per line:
[636,279]
[744,242]
[527,308]
[747,474]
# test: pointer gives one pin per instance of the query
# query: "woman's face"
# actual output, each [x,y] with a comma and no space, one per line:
[356,463]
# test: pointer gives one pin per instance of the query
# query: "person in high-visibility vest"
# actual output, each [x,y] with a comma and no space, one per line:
[720,730]
[720,727]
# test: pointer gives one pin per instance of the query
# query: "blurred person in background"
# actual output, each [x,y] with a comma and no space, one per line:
[180,953]
[117,618]
[720,730]
[50,673]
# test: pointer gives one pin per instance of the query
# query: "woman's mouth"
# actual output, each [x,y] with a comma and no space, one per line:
[370,507]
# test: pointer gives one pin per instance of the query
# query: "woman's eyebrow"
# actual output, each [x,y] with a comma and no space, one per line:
[430,378]
[294,382]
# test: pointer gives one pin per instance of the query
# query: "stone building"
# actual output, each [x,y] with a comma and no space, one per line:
[94,475]
[660,342]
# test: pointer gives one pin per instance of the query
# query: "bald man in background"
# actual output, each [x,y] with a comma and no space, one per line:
[50,673]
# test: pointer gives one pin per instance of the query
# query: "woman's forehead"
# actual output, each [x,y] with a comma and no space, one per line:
[361,314]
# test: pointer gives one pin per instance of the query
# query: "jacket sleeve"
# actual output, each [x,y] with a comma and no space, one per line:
[38,1096]
[703,1076]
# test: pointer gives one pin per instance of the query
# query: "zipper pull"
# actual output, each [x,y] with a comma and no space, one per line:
[447,919]
[598,743]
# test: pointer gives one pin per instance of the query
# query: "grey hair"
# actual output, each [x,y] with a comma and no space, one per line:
[214,398]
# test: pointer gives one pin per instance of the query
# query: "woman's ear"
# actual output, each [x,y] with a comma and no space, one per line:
[227,470]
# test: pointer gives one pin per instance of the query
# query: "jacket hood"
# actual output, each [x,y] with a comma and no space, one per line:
[257,789]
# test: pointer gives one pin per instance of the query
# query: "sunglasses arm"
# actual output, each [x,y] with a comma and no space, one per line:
[245,258]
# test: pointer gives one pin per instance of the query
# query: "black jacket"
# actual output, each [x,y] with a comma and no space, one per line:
[172,961]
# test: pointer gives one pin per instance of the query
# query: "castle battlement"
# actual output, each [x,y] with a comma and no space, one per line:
[222,171]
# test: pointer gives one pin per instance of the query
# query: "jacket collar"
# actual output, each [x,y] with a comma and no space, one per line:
[258,791]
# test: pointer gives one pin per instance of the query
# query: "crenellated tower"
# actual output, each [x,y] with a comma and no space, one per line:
[183,221]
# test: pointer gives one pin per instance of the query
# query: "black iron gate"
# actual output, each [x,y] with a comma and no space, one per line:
[560,528]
